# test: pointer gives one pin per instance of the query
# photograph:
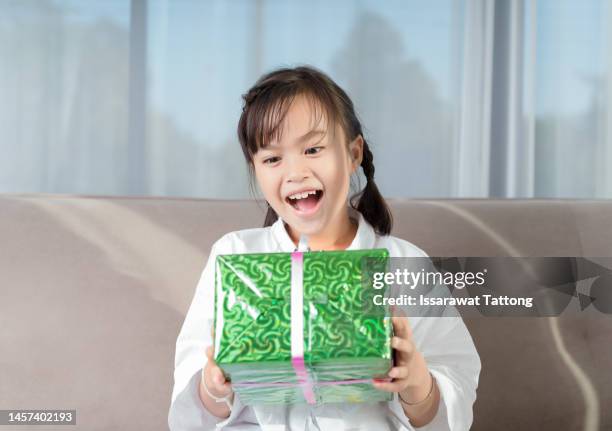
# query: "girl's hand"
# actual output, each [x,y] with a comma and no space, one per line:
[213,376]
[411,378]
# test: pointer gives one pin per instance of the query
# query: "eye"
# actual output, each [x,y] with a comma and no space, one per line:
[270,160]
[315,148]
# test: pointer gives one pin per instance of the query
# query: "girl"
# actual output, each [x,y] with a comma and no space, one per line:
[303,142]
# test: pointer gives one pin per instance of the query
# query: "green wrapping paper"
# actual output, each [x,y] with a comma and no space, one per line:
[343,345]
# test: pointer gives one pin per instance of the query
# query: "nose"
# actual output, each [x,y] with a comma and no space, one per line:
[297,170]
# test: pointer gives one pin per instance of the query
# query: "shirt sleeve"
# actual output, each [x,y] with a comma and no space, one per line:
[186,410]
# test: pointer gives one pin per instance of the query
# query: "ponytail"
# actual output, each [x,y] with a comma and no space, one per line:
[371,204]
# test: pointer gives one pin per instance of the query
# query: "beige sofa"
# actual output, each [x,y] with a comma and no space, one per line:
[94,291]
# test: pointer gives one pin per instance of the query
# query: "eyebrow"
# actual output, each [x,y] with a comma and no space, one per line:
[310,135]
[304,138]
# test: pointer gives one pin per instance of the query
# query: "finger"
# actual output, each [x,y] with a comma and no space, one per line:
[217,376]
[210,353]
[393,386]
[401,327]
[398,325]
[403,345]
[397,311]
[217,382]
[393,310]
[212,332]
[221,381]
[398,372]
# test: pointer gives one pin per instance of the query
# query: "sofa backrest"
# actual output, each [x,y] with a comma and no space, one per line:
[95,289]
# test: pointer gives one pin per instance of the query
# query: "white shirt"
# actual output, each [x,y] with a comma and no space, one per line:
[444,342]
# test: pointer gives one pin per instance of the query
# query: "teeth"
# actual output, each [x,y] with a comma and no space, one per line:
[302,195]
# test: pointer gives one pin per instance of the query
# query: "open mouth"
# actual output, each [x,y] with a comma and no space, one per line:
[306,205]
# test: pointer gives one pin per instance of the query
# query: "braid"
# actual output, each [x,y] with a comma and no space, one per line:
[367,162]
[371,204]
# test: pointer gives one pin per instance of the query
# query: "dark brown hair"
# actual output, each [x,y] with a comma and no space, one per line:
[265,107]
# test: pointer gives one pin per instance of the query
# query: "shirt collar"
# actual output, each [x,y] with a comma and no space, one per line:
[364,239]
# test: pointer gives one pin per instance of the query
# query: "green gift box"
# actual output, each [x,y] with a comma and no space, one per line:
[273,354]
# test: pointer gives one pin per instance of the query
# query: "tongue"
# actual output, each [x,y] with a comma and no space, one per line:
[307,203]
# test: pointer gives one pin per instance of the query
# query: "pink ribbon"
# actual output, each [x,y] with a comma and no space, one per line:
[297,326]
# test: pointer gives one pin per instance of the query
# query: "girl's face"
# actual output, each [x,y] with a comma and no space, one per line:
[308,158]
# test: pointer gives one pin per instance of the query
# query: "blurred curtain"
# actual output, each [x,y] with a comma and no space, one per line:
[535,106]
[572,98]
[398,63]
[470,98]
[64,90]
